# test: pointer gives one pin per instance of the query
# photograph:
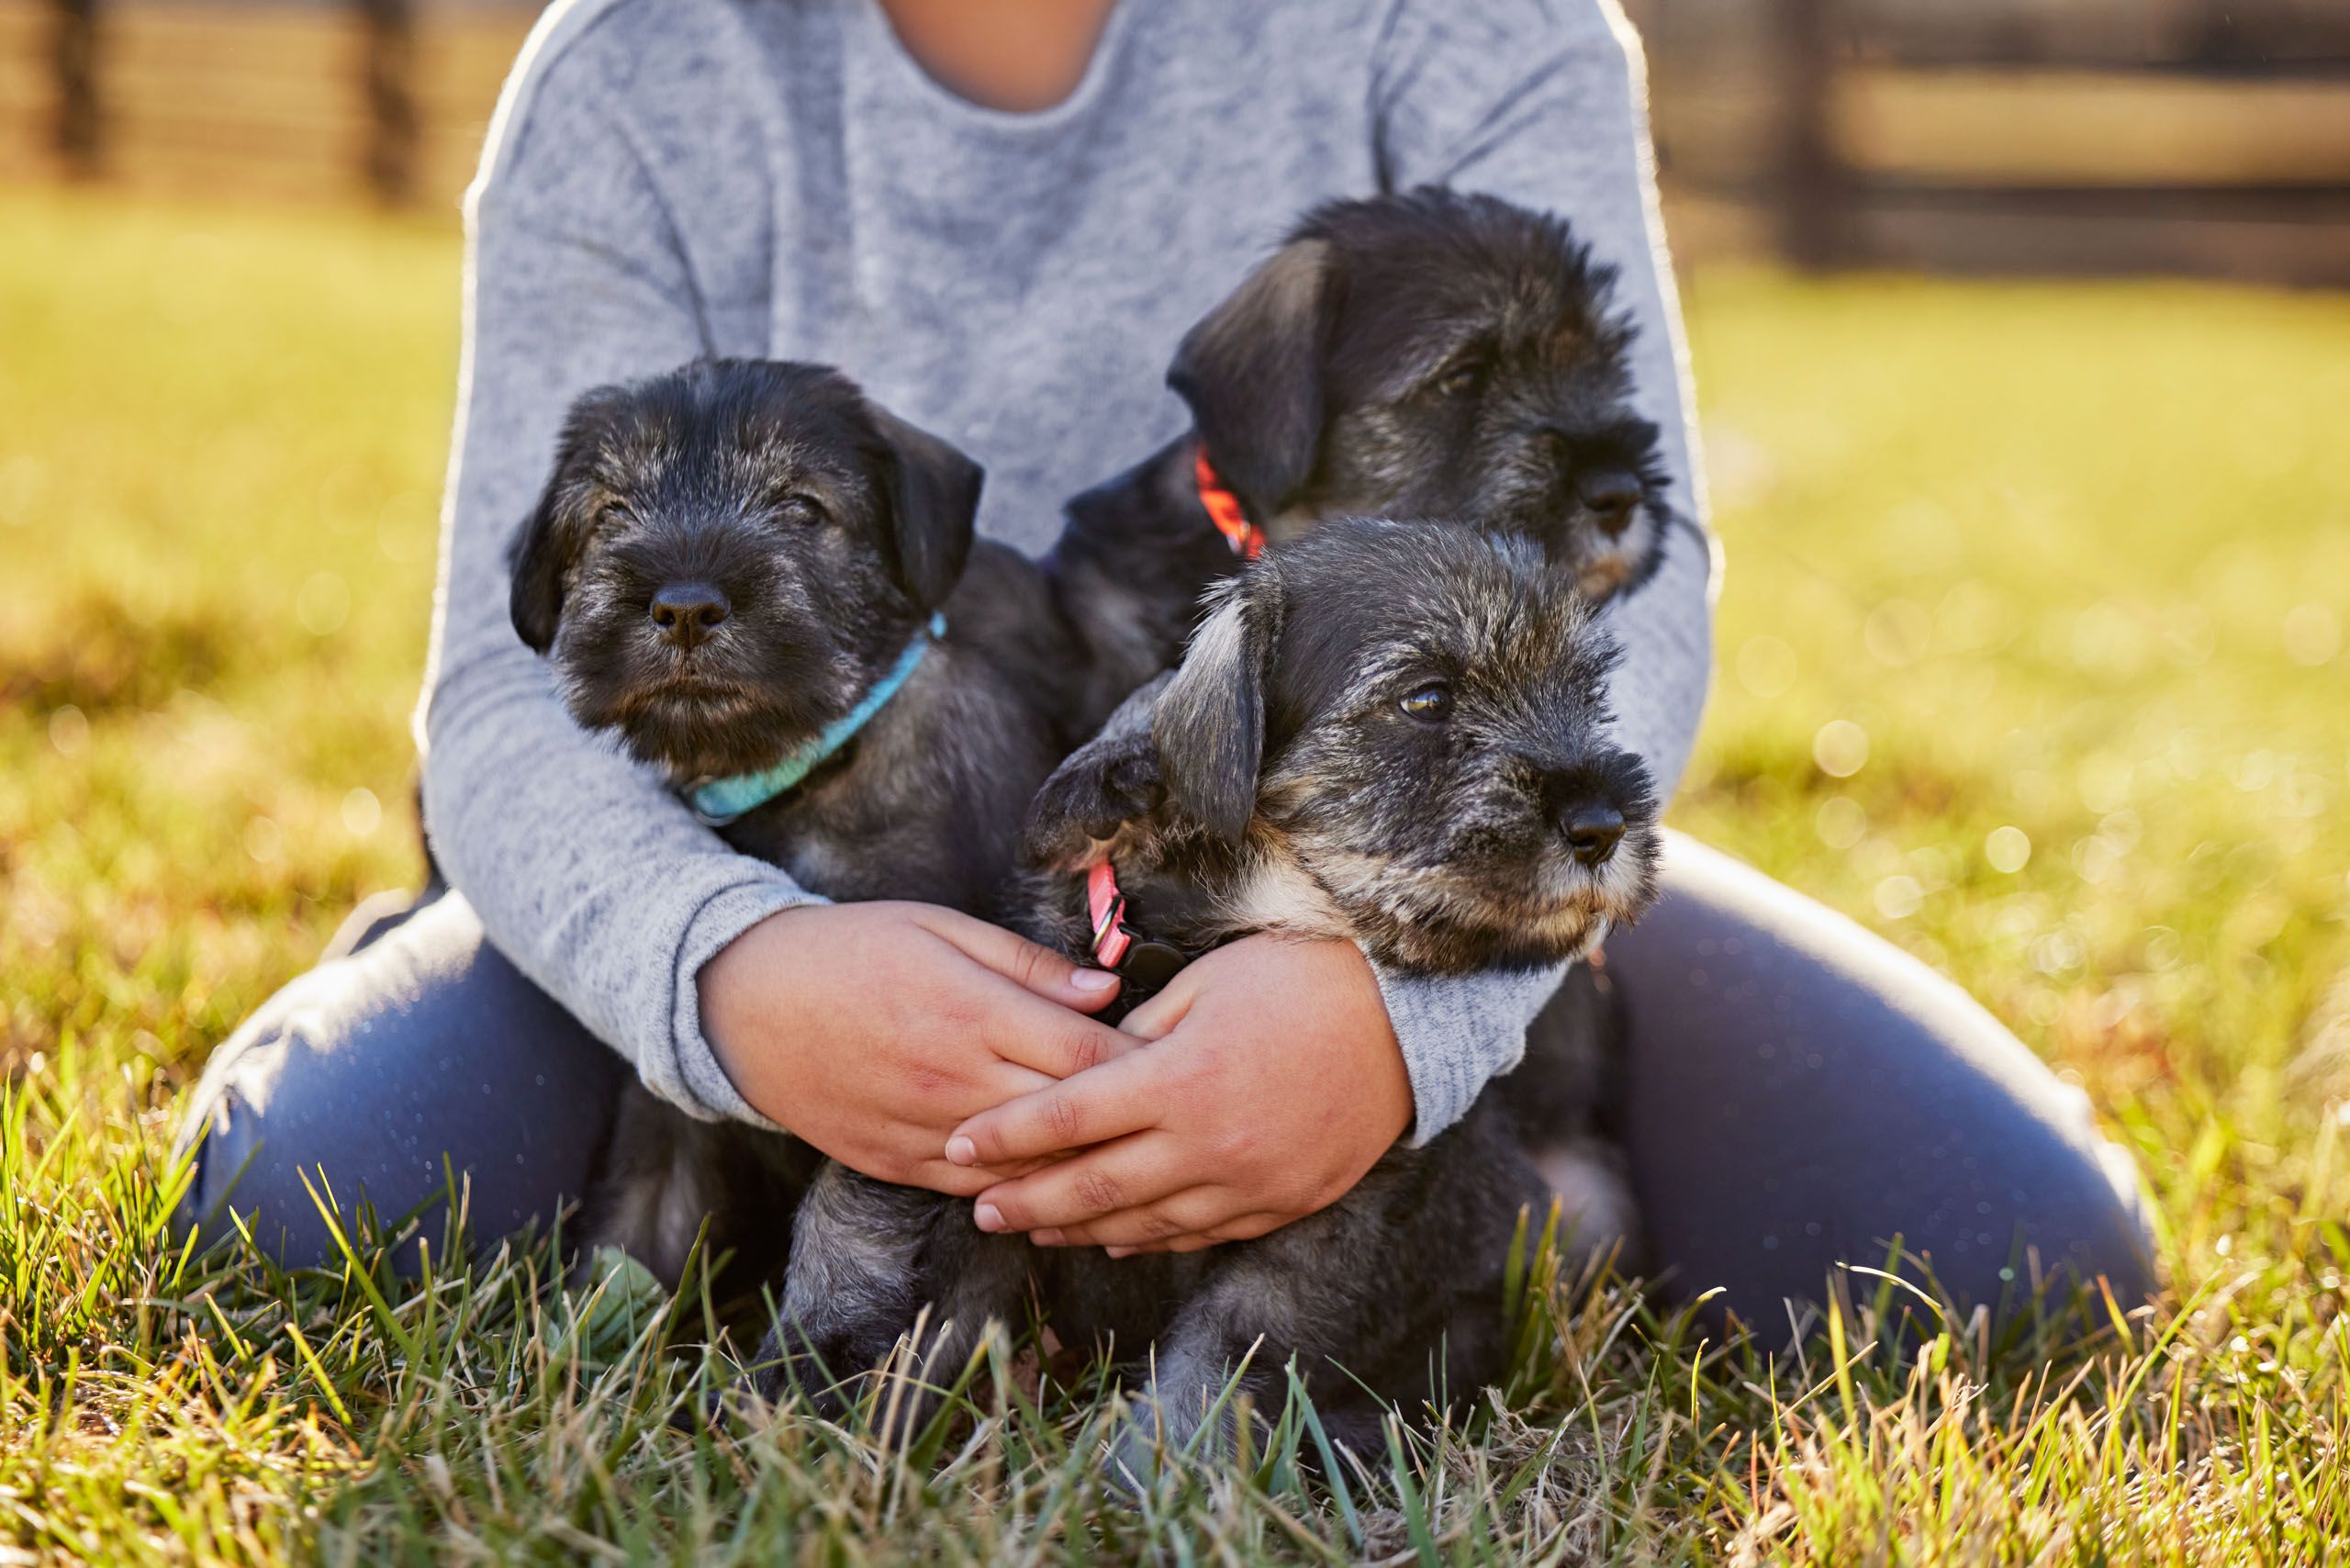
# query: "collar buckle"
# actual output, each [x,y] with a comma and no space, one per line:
[1107,906]
[1145,965]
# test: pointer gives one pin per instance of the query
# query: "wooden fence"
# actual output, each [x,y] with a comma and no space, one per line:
[214,97]
[2207,136]
[2197,136]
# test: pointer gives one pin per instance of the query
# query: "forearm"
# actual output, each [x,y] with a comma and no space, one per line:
[585,870]
[589,876]
[1457,1033]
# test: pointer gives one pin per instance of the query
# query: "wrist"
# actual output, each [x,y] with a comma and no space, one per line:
[1392,1076]
[1457,1032]
[1377,1066]
[737,995]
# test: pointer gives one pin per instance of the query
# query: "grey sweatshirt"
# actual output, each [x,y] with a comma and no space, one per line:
[670,178]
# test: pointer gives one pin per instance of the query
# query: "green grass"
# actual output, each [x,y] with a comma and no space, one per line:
[2062,568]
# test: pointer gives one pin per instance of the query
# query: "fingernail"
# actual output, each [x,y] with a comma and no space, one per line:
[987,1217]
[1092,980]
[961,1151]
[1046,1238]
[1119,1251]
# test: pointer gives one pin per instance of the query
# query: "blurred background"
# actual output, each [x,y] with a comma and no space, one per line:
[2023,364]
[2022,346]
[2210,137]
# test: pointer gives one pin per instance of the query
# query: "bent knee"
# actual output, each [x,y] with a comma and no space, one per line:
[217,1144]
[2078,1231]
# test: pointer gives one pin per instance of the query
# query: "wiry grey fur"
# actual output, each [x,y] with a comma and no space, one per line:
[1278,783]
[1426,354]
[1273,784]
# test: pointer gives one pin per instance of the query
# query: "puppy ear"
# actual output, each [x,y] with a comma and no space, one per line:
[1105,784]
[1209,727]
[1251,371]
[934,492]
[550,538]
[537,560]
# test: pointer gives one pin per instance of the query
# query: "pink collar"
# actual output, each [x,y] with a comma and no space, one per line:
[1108,906]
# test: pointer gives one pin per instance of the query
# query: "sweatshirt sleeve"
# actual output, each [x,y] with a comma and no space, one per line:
[1544,102]
[586,872]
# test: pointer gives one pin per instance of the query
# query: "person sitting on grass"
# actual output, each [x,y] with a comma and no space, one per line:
[1002,214]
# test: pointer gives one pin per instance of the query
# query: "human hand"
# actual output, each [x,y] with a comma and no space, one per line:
[870,1030]
[1272,1082]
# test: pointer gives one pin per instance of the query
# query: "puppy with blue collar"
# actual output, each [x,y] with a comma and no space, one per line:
[767,586]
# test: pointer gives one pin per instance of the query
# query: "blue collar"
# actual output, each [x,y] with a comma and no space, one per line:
[718,801]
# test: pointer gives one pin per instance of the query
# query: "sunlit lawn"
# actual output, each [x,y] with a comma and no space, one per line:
[2031,656]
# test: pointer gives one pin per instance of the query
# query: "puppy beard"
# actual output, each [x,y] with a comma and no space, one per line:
[1387,461]
[1532,493]
[1449,919]
[1606,564]
[1473,880]
[1617,891]
[737,703]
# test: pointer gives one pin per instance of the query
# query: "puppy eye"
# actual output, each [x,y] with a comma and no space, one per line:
[803,510]
[1462,381]
[1430,704]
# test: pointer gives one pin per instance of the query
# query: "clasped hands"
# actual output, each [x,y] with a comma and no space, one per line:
[925,1047]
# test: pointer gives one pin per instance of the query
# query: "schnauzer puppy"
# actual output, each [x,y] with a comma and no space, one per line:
[768,586]
[1430,354]
[1388,733]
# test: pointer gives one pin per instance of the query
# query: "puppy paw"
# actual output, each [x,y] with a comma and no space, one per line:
[1134,1459]
[827,1372]
[1105,785]
[1599,1217]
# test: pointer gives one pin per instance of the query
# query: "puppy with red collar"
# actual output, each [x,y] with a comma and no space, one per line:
[1426,354]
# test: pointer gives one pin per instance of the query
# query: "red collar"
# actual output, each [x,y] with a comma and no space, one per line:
[1225,510]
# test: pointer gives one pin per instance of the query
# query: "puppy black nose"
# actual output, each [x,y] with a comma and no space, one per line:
[689,612]
[1591,828]
[1611,495]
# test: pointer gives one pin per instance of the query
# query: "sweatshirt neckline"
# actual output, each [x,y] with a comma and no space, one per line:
[912,79]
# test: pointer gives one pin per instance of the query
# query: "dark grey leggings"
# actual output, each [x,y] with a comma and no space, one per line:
[1800,1093]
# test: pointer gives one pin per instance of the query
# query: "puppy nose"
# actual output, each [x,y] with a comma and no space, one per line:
[1611,495]
[1593,828]
[689,612]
